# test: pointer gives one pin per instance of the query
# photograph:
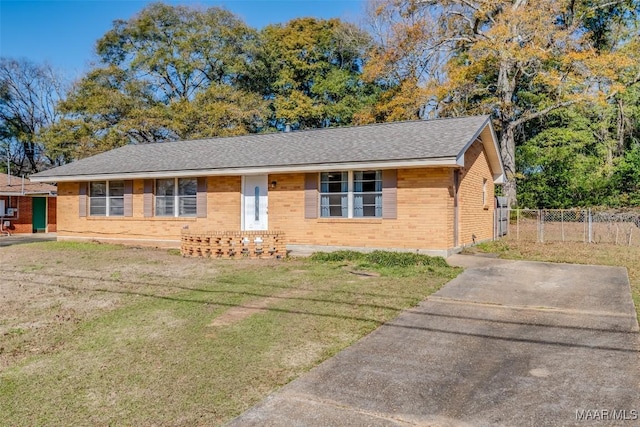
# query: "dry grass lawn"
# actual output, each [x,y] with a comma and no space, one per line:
[106,335]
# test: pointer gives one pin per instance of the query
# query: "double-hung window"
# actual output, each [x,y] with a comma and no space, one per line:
[187,195]
[115,201]
[334,194]
[106,198]
[176,197]
[367,194]
[353,194]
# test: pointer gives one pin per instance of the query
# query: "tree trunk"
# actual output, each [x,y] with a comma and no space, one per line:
[507,78]
[508,153]
[30,153]
[621,130]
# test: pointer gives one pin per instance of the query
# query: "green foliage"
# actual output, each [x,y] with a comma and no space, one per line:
[108,108]
[561,167]
[170,72]
[179,72]
[311,69]
[220,110]
[561,80]
[381,258]
[337,256]
[626,178]
[518,61]
[84,247]
[178,50]
[571,161]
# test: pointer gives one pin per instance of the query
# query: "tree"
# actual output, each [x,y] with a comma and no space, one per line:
[221,110]
[626,177]
[179,50]
[582,156]
[29,94]
[168,73]
[311,71]
[564,165]
[404,57]
[107,109]
[514,59]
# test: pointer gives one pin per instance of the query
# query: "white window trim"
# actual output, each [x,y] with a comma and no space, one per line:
[350,196]
[107,198]
[176,199]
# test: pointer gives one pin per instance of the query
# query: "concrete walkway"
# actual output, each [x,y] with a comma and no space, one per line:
[508,343]
[16,239]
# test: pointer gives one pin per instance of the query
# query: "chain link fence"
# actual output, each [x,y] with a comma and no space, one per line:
[569,225]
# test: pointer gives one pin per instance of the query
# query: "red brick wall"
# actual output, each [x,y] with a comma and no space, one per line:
[52,210]
[23,222]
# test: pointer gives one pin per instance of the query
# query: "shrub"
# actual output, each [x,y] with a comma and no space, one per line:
[381,258]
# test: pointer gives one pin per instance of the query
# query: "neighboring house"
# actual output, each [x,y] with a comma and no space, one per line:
[25,206]
[423,186]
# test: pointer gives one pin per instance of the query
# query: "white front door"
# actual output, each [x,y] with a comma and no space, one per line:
[255,203]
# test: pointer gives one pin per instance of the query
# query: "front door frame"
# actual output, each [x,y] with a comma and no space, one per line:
[45,214]
[243,224]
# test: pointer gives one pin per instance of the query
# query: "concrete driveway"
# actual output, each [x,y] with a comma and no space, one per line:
[17,239]
[508,343]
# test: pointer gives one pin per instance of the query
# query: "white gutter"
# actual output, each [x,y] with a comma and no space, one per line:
[399,164]
[28,193]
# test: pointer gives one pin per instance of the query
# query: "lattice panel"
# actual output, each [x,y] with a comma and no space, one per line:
[232,244]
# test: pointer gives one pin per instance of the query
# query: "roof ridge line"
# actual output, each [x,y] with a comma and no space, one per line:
[308,130]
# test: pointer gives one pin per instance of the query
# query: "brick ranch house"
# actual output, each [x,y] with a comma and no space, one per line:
[424,186]
[25,206]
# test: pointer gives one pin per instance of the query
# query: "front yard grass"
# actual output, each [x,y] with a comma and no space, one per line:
[107,335]
[576,253]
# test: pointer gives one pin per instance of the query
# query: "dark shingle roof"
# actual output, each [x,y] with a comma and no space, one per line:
[421,139]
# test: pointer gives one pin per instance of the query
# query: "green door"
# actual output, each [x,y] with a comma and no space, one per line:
[39,214]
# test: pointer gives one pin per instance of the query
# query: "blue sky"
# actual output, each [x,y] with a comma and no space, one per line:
[63,33]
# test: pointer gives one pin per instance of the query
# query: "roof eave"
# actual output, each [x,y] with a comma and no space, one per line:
[386,164]
[487,136]
[28,193]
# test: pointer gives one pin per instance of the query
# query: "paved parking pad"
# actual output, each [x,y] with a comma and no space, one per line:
[505,343]
[17,239]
